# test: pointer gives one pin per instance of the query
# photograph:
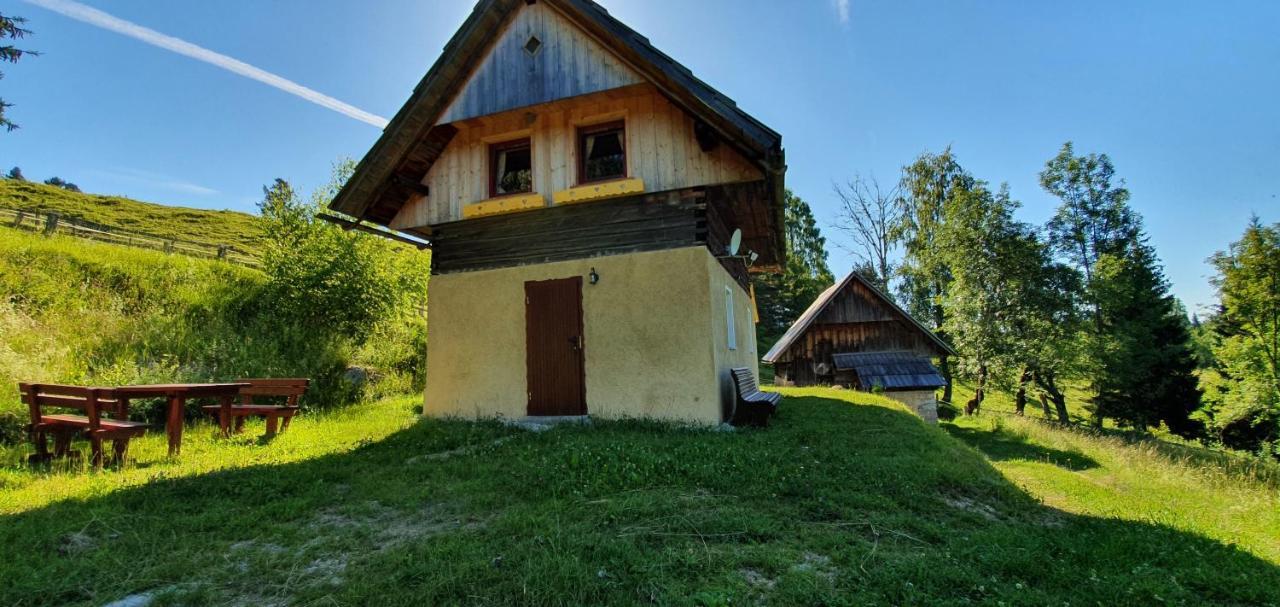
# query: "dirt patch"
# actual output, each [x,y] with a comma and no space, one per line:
[971,505]
[338,537]
[463,450]
[75,543]
[819,565]
[390,527]
[757,579]
[325,571]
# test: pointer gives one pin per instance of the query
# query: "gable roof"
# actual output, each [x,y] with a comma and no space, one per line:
[391,172]
[815,309]
[894,370]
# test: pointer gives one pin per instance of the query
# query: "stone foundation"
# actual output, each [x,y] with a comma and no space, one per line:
[923,402]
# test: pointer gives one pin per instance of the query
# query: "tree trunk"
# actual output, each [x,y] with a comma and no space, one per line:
[979,394]
[1020,399]
[938,318]
[1047,383]
[944,365]
[1044,405]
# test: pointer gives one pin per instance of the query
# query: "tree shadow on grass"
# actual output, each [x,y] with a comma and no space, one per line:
[834,504]
[1003,444]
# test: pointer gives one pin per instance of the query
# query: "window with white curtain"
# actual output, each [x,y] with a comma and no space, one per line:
[510,168]
[602,152]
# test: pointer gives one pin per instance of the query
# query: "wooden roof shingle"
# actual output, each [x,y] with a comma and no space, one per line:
[891,370]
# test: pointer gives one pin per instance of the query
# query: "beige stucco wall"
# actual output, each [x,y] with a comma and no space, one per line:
[648,325]
[923,402]
[744,355]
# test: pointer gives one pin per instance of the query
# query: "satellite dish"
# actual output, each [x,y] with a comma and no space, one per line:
[735,242]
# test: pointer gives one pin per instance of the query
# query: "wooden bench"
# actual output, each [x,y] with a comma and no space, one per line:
[64,427]
[752,407]
[280,415]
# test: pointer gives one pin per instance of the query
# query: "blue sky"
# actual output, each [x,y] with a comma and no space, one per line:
[1182,95]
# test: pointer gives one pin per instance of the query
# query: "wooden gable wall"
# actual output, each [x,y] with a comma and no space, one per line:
[855,303]
[567,63]
[661,150]
[856,320]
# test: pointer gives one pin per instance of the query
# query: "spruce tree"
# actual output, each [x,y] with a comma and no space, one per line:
[1138,344]
[782,297]
[11,28]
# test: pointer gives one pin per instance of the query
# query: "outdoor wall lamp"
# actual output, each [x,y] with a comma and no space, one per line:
[592,277]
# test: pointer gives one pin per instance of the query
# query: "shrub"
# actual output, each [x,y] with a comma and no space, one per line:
[82,312]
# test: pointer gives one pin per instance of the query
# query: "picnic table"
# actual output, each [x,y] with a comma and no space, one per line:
[177,395]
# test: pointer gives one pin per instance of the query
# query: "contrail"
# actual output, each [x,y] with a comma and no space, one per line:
[95,17]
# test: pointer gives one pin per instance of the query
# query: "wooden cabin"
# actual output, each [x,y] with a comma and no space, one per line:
[853,335]
[580,192]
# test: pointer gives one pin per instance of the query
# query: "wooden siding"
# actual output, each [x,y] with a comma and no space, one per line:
[855,320]
[661,150]
[821,341]
[856,303]
[625,225]
[568,63]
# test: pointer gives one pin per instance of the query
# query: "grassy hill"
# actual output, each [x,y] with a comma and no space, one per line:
[84,312]
[194,225]
[846,500]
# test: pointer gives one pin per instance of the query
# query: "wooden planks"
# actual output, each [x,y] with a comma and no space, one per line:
[662,151]
[567,63]
[554,344]
[625,225]
[855,303]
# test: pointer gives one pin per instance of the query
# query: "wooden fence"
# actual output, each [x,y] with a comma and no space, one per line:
[53,223]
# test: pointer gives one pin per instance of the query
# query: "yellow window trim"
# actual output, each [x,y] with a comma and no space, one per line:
[504,204]
[599,191]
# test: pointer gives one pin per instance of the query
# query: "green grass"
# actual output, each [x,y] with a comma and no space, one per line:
[77,311]
[239,230]
[846,500]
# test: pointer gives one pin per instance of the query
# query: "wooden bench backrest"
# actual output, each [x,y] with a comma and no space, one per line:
[92,401]
[744,380]
[287,387]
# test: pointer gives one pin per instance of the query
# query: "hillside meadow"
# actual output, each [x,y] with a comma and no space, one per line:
[240,230]
[847,499]
[82,312]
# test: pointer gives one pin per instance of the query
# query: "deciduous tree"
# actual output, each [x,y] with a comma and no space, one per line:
[1137,345]
[927,185]
[868,216]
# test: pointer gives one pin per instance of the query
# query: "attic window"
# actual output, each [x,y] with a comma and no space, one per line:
[510,168]
[602,153]
[532,45]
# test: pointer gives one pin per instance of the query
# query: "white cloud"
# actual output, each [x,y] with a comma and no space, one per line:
[842,10]
[95,17]
[155,180]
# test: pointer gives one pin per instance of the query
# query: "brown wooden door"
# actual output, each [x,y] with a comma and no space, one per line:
[554,347]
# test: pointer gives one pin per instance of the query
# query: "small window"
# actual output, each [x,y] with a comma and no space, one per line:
[728,315]
[510,168]
[602,153]
[532,45]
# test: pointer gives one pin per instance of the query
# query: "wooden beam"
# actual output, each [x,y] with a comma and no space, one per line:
[410,184]
[347,224]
